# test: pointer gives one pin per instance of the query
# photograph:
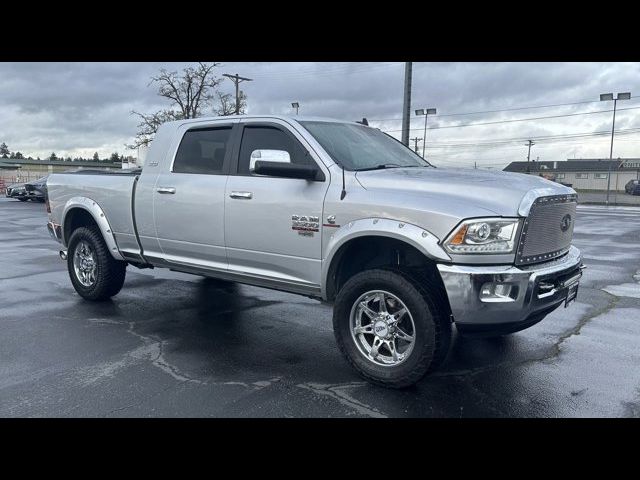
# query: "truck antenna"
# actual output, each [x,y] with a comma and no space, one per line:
[344,192]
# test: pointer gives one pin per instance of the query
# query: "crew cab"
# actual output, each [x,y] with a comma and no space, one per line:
[336,211]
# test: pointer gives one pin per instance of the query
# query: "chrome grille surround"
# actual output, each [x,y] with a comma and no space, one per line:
[542,238]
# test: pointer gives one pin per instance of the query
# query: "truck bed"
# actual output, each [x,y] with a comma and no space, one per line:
[111,191]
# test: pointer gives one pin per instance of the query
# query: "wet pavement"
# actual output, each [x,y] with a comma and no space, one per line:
[177,345]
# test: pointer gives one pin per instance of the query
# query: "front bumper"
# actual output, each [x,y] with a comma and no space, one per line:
[534,291]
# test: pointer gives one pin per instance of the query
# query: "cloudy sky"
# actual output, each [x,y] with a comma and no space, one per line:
[484,112]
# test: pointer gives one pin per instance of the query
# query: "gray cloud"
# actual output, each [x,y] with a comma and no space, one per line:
[79,108]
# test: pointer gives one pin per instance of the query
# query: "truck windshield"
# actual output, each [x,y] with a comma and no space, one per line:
[356,147]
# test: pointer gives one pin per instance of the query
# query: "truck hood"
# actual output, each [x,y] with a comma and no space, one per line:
[496,191]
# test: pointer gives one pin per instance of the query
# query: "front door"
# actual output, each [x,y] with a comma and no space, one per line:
[273,225]
[189,199]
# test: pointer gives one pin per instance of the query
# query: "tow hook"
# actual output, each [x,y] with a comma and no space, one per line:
[63,254]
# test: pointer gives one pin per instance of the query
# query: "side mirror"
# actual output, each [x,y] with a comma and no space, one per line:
[280,156]
[286,170]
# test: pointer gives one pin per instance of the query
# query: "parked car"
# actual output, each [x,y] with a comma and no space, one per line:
[17,191]
[336,211]
[632,187]
[36,189]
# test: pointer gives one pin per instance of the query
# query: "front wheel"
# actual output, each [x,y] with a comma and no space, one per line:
[391,328]
[94,273]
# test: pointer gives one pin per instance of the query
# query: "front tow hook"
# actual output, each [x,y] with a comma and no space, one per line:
[63,254]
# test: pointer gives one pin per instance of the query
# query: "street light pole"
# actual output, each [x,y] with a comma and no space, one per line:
[295,105]
[426,112]
[608,97]
[613,128]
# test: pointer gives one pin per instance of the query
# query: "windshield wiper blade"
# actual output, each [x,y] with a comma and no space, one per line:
[381,167]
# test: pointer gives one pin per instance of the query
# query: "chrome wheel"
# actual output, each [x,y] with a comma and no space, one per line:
[382,328]
[85,264]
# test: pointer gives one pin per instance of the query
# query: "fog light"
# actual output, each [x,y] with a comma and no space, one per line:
[498,292]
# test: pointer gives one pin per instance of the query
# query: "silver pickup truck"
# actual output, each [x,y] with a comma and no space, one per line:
[336,211]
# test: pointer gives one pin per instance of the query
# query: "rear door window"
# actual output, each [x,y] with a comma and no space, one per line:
[203,151]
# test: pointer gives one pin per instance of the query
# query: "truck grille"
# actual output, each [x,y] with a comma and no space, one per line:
[548,230]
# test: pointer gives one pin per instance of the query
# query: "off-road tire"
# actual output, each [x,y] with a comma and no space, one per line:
[430,315]
[110,272]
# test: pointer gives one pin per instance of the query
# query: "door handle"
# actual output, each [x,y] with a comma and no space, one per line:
[242,195]
[166,190]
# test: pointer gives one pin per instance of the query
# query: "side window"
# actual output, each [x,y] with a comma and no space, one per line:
[269,143]
[202,151]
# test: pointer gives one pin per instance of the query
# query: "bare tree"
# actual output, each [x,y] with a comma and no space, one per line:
[191,93]
[227,104]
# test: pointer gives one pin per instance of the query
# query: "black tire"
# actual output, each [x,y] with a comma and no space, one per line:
[110,273]
[430,316]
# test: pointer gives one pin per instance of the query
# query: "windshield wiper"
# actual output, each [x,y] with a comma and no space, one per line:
[381,167]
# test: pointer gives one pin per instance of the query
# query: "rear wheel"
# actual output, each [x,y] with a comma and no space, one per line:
[94,273]
[390,328]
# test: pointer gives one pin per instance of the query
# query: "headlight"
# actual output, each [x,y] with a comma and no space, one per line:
[484,235]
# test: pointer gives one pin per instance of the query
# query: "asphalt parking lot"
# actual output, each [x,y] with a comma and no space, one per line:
[177,345]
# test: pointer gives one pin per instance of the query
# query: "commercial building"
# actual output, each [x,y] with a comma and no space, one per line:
[583,173]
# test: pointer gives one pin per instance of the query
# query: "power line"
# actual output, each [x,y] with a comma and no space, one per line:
[540,138]
[517,120]
[499,110]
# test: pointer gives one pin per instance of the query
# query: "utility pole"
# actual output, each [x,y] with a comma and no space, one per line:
[237,80]
[406,103]
[529,153]
[416,140]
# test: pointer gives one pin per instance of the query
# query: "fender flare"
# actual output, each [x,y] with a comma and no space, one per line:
[99,217]
[418,237]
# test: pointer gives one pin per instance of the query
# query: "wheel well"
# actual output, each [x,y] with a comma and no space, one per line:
[365,253]
[76,218]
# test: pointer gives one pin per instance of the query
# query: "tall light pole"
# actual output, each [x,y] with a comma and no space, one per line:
[296,105]
[237,80]
[606,97]
[406,103]
[426,112]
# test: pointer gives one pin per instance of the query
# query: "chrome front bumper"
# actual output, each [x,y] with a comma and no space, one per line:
[533,290]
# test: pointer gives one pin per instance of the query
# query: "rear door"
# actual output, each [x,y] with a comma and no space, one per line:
[189,198]
[273,225]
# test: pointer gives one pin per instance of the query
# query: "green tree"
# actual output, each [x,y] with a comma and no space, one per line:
[53,157]
[115,158]
[4,150]
[96,157]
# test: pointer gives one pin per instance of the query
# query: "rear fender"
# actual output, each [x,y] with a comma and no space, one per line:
[98,216]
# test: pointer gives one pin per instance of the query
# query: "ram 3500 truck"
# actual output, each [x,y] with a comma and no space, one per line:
[336,211]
